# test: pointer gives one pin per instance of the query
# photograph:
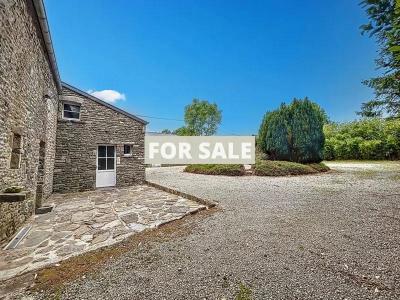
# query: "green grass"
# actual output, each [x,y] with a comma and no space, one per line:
[216,169]
[285,168]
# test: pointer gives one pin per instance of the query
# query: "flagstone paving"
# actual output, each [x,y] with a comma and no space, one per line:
[85,221]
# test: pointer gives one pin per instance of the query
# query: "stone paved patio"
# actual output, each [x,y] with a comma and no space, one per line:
[85,221]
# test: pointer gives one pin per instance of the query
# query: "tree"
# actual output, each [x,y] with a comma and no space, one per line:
[166,131]
[384,25]
[202,117]
[306,120]
[184,131]
[293,132]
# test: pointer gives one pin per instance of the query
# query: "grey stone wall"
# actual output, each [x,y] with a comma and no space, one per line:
[28,107]
[77,141]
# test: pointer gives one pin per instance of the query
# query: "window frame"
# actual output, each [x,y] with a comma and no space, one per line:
[73,104]
[131,150]
[106,157]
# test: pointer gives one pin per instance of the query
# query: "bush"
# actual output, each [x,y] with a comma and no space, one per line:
[320,167]
[281,168]
[365,139]
[216,169]
[261,168]
[294,132]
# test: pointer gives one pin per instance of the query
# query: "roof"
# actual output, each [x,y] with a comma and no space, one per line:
[97,100]
[154,133]
[44,28]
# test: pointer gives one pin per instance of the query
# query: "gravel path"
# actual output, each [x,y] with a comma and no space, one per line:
[330,236]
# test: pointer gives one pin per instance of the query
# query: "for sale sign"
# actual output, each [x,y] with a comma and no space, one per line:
[200,150]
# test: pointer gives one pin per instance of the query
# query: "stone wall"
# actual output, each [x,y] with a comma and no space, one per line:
[77,141]
[28,108]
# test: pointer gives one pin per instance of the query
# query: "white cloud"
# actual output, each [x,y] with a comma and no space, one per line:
[109,96]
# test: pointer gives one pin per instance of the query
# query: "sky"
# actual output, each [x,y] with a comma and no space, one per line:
[151,58]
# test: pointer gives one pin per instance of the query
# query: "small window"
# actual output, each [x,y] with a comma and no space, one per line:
[16,151]
[127,150]
[71,111]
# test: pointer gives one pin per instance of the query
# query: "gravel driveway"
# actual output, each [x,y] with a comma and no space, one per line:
[330,236]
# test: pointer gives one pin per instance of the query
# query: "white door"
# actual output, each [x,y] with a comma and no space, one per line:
[106,171]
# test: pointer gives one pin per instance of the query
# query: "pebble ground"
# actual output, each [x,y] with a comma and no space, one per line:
[329,236]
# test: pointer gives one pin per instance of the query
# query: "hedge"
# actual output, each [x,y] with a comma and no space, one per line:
[372,139]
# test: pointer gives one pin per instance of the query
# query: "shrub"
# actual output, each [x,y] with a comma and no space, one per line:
[277,144]
[294,132]
[365,139]
[329,150]
[262,134]
[371,149]
[216,169]
[281,168]
[320,167]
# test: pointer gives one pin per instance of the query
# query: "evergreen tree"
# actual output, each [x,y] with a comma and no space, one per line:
[278,135]
[306,124]
[293,132]
[384,25]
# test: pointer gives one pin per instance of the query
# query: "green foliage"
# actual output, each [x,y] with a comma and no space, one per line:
[262,134]
[281,168]
[294,132]
[384,25]
[202,117]
[320,167]
[261,168]
[373,138]
[274,134]
[184,131]
[244,293]
[216,169]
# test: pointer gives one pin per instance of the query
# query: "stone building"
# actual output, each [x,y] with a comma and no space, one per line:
[29,87]
[97,143]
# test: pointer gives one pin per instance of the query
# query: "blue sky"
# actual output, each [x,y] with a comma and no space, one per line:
[247,56]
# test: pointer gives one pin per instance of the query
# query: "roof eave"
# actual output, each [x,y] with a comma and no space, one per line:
[44,27]
[97,100]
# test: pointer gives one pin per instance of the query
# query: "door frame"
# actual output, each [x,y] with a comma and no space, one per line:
[115,164]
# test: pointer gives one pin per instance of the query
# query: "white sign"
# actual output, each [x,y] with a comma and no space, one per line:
[199,149]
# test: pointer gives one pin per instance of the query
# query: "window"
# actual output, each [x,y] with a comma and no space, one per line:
[106,158]
[16,151]
[127,150]
[71,111]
